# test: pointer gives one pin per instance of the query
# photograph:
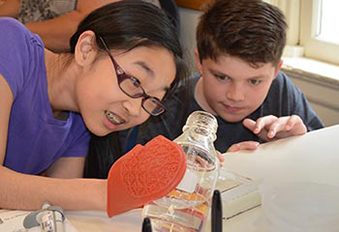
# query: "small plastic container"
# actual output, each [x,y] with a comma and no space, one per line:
[300,206]
[239,194]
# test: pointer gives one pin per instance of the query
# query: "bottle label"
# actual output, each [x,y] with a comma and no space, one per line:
[47,222]
[189,182]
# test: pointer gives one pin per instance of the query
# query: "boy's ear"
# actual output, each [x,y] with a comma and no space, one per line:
[197,61]
[277,70]
[85,49]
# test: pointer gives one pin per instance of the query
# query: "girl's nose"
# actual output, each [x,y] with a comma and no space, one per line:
[133,106]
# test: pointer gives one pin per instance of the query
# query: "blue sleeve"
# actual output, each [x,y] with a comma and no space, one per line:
[296,103]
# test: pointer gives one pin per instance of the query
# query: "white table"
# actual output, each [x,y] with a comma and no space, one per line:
[93,221]
[313,157]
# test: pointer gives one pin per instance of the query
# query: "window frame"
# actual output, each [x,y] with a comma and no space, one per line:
[315,48]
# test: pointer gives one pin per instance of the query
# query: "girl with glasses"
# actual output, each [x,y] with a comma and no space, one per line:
[124,58]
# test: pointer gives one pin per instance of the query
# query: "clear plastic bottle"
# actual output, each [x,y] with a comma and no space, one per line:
[187,207]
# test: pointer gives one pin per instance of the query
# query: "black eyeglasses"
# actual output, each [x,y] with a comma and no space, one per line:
[132,88]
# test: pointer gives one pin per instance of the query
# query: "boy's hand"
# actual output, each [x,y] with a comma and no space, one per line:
[270,127]
[221,158]
[246,145]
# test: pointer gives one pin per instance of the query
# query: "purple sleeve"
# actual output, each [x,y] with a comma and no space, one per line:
[79,147]
[81,137]
[15,52]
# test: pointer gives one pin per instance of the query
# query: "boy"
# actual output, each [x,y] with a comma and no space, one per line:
[239,48]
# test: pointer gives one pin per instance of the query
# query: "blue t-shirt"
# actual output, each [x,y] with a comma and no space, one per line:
[35,138]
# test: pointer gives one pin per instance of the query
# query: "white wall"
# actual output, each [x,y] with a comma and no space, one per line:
[188,22]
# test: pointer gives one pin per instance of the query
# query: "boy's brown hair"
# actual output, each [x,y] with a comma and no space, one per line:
[251,30]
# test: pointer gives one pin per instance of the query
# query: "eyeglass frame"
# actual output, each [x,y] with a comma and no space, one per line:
[121,76]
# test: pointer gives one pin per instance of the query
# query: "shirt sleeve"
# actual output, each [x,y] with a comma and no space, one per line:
[15,52]
[80,139]
[293,101]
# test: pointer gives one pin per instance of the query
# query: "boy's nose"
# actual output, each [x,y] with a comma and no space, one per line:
[236,93]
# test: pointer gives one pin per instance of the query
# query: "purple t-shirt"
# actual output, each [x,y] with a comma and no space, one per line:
[35,138]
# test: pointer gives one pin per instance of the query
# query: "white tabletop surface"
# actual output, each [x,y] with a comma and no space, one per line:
[90,221]
[313,157]
[93,221]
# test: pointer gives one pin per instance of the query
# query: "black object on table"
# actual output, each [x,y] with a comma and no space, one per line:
[146,225]
[216,217]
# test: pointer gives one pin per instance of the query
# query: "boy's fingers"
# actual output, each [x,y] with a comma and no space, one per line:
[221,157]
[293,120]
[264,122]
[247,145]
[234,148]
[283,124]
[249,123]
[276,127]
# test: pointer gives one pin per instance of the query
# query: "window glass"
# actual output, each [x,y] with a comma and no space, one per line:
[328,29]
[319,30]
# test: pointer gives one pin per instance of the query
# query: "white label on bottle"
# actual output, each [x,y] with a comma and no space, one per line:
[189,182]
[47,222]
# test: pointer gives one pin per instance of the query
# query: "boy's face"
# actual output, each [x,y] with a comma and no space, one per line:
[231,88]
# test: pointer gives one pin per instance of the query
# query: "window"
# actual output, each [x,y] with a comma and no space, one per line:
[313,31]
[319,32]
[329,14]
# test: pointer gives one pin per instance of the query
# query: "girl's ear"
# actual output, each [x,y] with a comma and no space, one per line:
[86,48]
[197,61]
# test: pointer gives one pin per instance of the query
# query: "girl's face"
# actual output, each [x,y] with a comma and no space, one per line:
[104,106]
